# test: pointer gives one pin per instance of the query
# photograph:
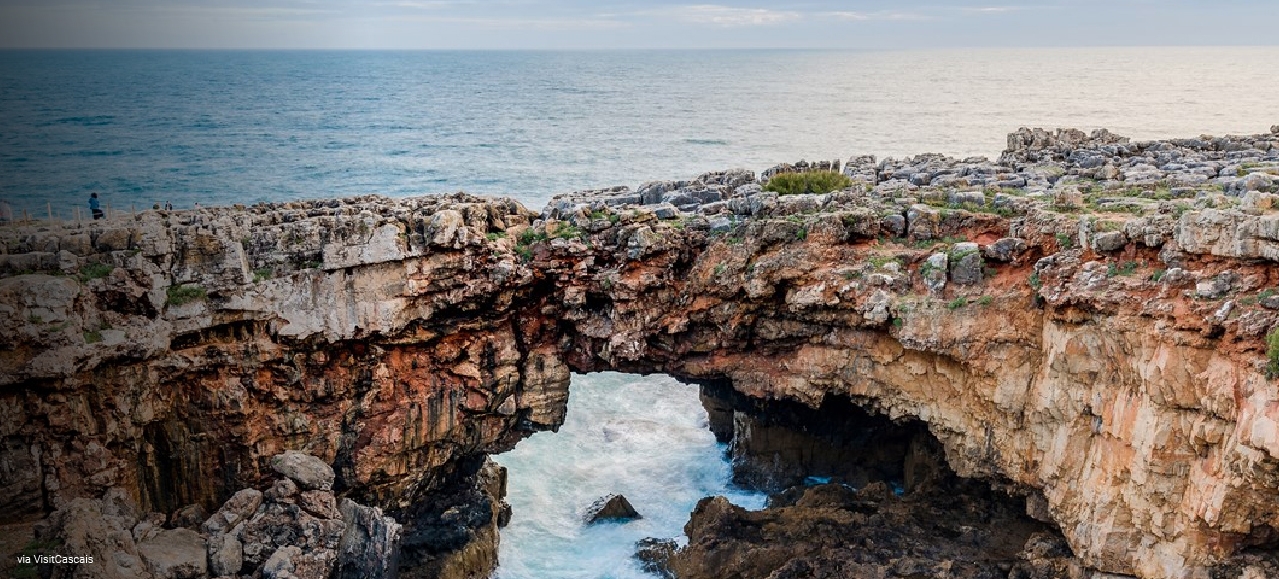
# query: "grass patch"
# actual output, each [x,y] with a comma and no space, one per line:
[985,300]
[1125,268]
[898,322]
[92,337]
[799,183]
[1157,275]
[182,295]
[1272,354]
[957,303]
[495,235]
[261,274]
[94,271]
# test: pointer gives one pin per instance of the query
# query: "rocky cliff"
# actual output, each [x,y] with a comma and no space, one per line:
[1084,320]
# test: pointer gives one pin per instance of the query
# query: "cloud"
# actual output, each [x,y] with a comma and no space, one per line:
[879,15]
[726,16]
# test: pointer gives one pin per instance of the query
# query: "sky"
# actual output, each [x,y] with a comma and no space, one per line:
[614,24]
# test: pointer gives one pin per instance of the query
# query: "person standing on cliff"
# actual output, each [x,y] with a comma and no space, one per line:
[94,207]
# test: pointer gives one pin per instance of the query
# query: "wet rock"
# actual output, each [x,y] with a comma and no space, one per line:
[308,471]
[654,556]
[611,508]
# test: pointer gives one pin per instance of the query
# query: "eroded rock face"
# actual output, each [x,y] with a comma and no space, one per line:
[401,341]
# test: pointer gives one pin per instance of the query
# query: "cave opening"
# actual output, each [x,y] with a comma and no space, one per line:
[669,445]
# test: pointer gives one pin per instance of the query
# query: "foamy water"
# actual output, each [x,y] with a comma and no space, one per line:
[643,437]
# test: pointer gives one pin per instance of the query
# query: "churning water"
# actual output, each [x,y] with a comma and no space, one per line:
[643,437]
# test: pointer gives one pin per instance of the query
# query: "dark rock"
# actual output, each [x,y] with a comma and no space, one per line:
[654,556]
[611,508]
[188,517]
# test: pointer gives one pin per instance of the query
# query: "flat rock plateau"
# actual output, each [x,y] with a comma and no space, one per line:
[1080,326]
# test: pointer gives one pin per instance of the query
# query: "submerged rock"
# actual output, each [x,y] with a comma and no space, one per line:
[611,508]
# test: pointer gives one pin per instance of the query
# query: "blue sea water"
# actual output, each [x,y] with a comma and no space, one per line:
[222,127]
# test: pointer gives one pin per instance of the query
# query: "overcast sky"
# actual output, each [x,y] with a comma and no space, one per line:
[429,24]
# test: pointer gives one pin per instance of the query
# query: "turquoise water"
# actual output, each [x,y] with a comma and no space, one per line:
[142,127]
[643,437]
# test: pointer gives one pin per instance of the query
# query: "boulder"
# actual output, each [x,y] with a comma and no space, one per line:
[175,554]
[1006,249]
[611,508]
[308,471]
[1109,241]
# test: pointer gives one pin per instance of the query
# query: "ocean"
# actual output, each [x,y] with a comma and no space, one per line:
[223,127]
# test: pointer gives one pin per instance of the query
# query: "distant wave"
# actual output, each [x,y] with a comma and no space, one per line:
[705,142]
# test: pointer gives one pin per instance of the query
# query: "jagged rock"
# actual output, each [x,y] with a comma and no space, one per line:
[654,556]
[370,545]
[175,554]
[242,505]
[611,508]
[308,471]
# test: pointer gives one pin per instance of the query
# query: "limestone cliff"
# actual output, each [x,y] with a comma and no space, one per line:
[1084,320]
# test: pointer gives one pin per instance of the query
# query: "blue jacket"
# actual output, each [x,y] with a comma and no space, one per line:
[93,203]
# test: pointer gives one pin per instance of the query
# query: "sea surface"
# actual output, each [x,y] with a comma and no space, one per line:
[222,127]
[643,437]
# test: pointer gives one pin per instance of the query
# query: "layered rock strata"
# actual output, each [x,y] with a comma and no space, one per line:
[1084,318]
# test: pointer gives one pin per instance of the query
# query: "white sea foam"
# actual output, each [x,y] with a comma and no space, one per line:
[643,437]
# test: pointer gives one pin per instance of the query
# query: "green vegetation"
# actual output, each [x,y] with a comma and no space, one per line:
[1063,240]
[719,269]
[1035,282]
[94,271]
[35,319]
[1272,354]
[568,231]
[1157,275]
[262,274]
[1125,268]
[182,295]
[957,303]
[879,261]
[798,183]
[898,322]
[985,300]
[92,337]
[801,234]
[495,235]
